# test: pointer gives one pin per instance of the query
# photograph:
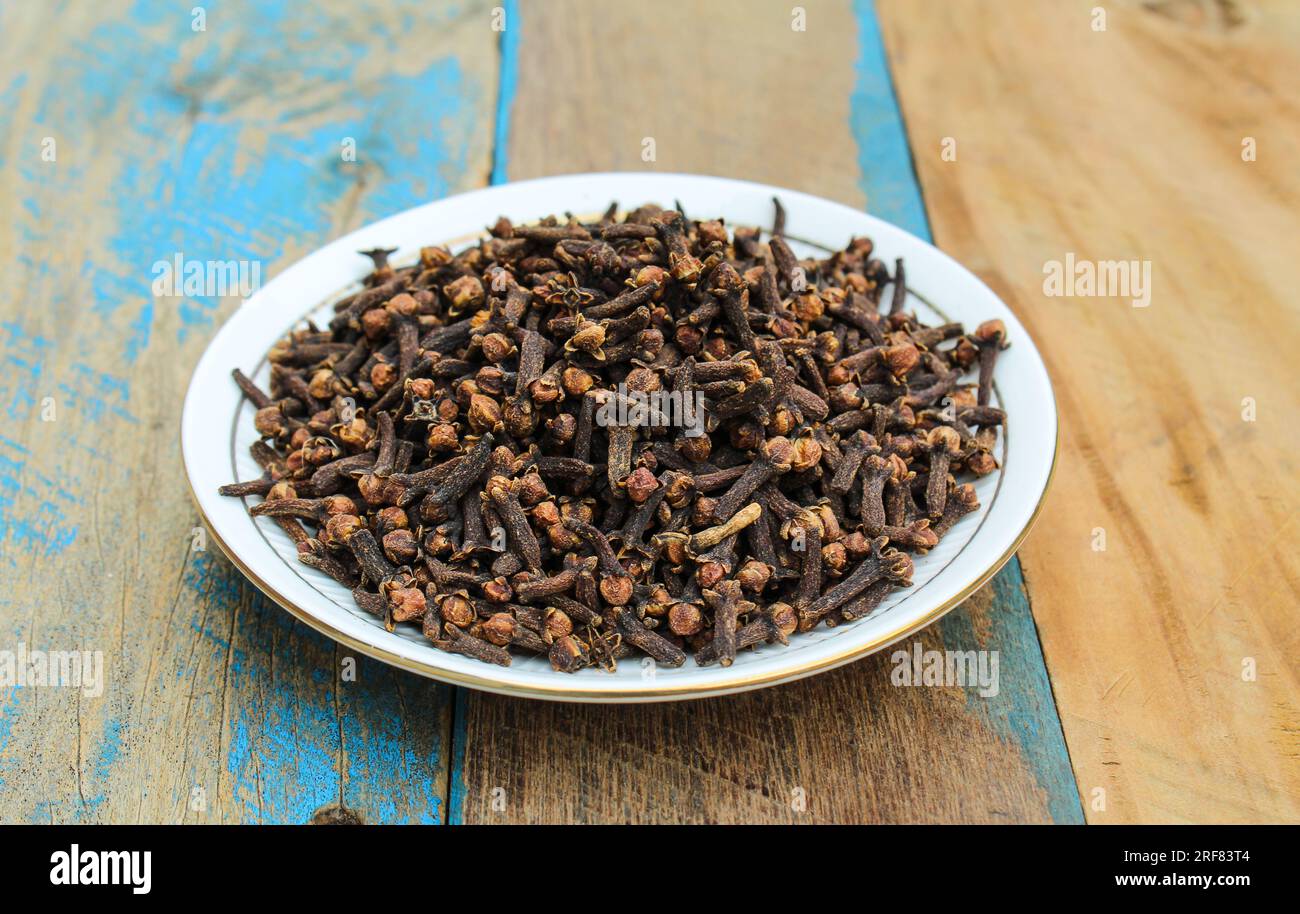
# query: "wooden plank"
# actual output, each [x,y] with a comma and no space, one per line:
[1127,144]
[221,143]
[844,747]
[747,96]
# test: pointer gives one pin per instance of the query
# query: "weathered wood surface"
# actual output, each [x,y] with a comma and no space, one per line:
[735,90]
[1127,144]
[222,144]
[1123,144]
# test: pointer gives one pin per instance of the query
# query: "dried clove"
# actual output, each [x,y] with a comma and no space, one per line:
[442,448]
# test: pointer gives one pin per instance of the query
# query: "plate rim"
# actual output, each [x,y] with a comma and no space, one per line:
[656,690]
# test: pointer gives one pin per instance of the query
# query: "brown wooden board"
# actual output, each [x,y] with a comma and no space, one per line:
[219,140]
[1163,570]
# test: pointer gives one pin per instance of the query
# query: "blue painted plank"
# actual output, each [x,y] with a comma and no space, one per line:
[507,85]
[887,178]
[224,144]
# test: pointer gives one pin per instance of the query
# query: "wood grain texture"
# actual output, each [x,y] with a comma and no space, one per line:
[1127,144]
[843,747]
[222,144]
[734,90]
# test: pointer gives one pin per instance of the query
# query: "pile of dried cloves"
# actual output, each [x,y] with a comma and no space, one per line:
[647,435]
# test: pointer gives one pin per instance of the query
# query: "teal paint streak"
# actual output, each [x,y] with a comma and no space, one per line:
[41,527]
[1025,710]
[23,355]
[106,755]
[282,758]
[293,720]
[887,178]
[1032,716]
[403,738]
[15,704]
[456,787]
[9,94]
[33,498]
[141,331]
[93,395]
[295,192]
[8,714]
[508,85]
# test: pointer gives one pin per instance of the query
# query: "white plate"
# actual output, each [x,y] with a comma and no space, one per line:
[216,429]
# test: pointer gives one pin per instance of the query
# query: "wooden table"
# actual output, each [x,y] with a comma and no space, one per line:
[1146,635]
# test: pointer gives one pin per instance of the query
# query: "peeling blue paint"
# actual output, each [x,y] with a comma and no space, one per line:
[507,88]
[200,190]
[25,355]
[457,788]
[107,752]
[45,529]
[407,757]
[8,714]
[1023,711]
[200,178]
[292,720]
[141,330]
